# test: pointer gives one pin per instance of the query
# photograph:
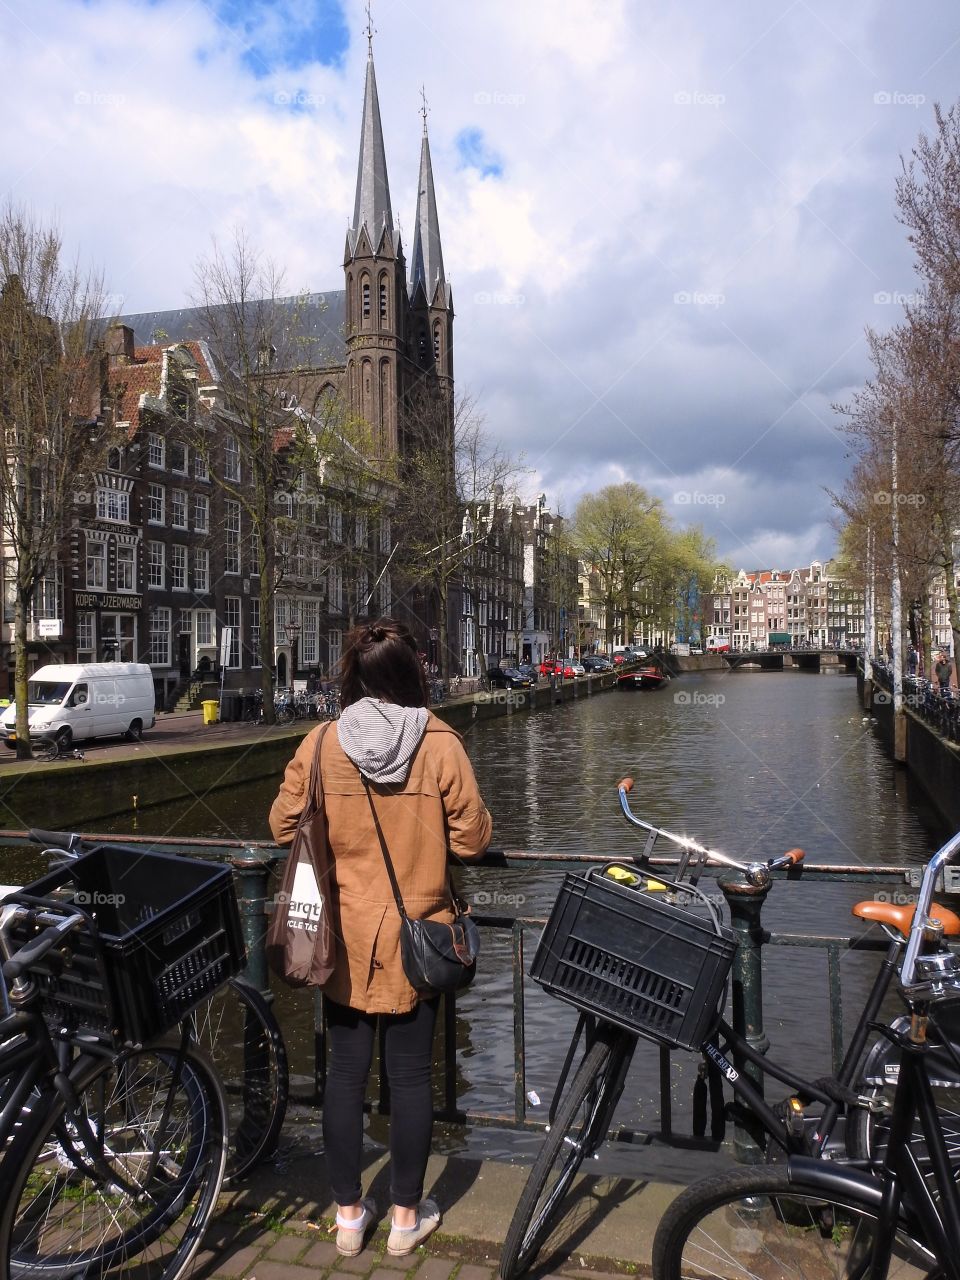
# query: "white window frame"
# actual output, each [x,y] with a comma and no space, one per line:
[156,504]
[156,565]
[178,508]
[97,546]
[159,627]
[233,618]
[201,513]
[201,569]
[113,505]
[127,557]
[231,459]
[156,451]
[178,568]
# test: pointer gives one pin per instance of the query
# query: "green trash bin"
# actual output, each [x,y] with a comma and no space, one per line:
[209,711]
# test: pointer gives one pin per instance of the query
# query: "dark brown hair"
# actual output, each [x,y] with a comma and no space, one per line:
[381,661]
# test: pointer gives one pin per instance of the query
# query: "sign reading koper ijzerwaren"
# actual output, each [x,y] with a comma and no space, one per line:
[97,599]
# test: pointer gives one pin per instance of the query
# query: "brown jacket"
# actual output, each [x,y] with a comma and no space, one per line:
[438,808]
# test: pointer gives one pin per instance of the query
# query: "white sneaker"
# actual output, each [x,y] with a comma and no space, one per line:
[403,1240]
[351,1238]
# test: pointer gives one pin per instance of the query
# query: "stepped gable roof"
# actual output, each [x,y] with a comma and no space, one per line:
[317,327]
[143,376]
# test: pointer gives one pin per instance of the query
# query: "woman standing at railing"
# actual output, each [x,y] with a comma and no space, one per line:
[426,799]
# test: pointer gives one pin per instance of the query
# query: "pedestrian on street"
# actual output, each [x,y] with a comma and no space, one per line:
[942,671]
[427,801]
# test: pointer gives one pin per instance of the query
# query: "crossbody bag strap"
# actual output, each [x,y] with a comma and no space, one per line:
[386,856]
[315,784]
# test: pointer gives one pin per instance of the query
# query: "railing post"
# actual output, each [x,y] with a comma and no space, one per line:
[746,904]
[251,870]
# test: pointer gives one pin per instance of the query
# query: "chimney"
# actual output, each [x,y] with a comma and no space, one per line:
[119,344]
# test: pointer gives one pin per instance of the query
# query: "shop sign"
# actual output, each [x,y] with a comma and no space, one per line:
[49,628]
[99,600]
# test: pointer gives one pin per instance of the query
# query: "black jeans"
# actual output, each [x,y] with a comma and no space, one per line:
[409,1059]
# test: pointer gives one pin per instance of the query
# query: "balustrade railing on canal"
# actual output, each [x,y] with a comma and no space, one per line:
[256,863]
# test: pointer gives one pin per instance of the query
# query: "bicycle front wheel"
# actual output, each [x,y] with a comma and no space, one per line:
[125,1183]
[239,1031]
[755,1224]
[577,1130]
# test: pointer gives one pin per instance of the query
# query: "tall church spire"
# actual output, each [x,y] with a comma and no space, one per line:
[372,205]
[427,259]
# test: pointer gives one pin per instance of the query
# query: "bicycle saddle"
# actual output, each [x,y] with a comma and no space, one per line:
[901,917]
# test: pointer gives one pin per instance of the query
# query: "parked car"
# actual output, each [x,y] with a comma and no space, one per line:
[74,702]
[508,678]
[594,663]
[528,669]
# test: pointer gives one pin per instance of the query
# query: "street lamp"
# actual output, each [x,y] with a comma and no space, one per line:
[293,629]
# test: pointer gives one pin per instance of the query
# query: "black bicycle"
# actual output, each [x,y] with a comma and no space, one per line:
[113,1132]
[899,1218]
[636,965]
[237,1029]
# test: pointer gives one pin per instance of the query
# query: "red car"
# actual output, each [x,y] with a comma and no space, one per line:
[557,666]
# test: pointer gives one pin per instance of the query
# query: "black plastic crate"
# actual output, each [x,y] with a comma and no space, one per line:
[167,934]
[634,960]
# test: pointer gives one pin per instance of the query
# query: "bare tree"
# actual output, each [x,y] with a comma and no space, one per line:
[54,434]
[290,432]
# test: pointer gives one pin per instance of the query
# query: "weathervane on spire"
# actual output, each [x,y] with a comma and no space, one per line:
[424,110]
[370,30]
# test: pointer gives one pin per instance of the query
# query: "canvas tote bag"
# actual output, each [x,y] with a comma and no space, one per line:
[300,946]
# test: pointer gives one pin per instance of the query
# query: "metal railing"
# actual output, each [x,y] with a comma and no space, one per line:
[939,708]
[254,862]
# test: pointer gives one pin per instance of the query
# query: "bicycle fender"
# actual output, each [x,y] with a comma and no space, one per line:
[835,1179]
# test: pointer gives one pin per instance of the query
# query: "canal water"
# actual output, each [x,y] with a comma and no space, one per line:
[752,763]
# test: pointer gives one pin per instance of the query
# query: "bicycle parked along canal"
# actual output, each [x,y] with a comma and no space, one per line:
[637,965]
[235,1026]
[113,1123]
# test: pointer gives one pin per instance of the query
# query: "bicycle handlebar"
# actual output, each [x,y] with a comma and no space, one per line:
[757,872]
[33,951]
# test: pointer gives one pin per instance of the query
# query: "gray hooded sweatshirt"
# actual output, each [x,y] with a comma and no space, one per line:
[381,738]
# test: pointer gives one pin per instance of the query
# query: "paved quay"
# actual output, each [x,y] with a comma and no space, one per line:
[279,1225]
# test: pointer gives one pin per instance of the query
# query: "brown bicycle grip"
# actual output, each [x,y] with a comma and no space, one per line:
[625,784]
[795,855]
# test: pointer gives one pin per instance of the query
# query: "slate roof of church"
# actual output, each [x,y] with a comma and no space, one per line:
[319,328]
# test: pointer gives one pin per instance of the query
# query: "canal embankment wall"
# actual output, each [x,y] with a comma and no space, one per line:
[932,761]
[73,794]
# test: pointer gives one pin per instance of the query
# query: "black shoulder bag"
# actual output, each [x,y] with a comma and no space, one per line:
[435,956]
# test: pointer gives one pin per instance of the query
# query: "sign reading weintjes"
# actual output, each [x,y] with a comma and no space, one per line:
[96,599]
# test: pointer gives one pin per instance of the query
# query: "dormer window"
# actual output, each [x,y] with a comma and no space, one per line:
[180,402]
[114,460]
[155,450]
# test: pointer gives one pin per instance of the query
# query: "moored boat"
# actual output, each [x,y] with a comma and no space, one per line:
[643,678]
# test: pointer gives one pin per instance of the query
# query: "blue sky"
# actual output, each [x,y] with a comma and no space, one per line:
[666,226]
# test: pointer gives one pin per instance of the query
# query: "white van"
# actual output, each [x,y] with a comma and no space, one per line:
[93,700]
[718,644]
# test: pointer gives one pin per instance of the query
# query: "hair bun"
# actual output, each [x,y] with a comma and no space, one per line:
[377,634]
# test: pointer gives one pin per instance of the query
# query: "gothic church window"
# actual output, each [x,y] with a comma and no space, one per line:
[436,341]
[365,293]
[383,299]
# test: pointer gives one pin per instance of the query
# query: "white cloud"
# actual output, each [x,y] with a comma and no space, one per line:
[734,155]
